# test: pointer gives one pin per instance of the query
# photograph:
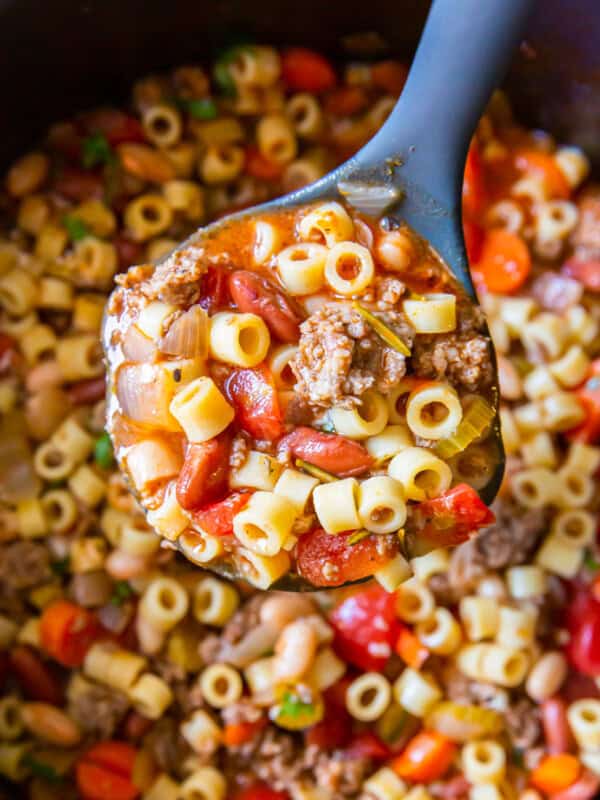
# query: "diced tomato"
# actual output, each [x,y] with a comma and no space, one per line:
[366,627]
[115,125]
[583,621]
[78,184]
[334,730]
[474,236]
[555,725]
[136,725]
[214,292]
[583,789]
[67,631]
[586,271]
[105,772]
[237,733]
[34,676]
[217,518]
[367,745]
[544,167]
[346,100]
[8,352]
[254,397]
[204,476]
[343,562]
[305,70]
[588,395]
[410,649]
[555,773]
[425,758]
[389,76]
[452,517]
[66,139]
[505,262]
[329,451]
[261,167]
[474,189]
[259,791]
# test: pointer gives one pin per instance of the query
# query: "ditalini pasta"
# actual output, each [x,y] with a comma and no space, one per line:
[316,311]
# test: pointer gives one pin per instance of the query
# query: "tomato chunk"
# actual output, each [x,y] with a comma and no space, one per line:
[544,167]
[304,70]
[217,518]
[115,125]
[328,451]
[260,791]
[33,676]
[452,517]
[346,100]
[203,477]
[367,745]
[505,262]
[259,166]
[425,758]
[589,396]
[214,292]
[67,631]
[254,397]
[366,627]
[343,562]
[474,189]
[585,271]
[583,620]
[474,236]
[105,771]
[389,76]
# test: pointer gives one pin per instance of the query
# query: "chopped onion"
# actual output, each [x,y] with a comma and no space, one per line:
[253,645]
[144,396]
[187,335]
[370,199]
[137,346]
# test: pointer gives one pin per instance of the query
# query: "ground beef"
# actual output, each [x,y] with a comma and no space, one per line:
[177,280]
[340,775]
[340,357]
[299,412]
[461,689]
[97,709]
[167,746]
[239,451]
[586,236]
[385,292]
[522,724]
[212,647]
[23,565]
[509,541]
[463,359]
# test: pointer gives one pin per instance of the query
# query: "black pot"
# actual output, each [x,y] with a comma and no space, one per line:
[59,56]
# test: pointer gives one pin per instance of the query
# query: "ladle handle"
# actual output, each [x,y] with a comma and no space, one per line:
[463,54]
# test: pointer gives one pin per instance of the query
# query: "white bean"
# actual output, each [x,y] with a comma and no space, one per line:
[295,651]
[282,607]
[546,676]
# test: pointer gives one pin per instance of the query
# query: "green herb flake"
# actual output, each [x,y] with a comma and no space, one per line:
[76,228]
[590,561]
[201,108]
[517,757]
[357,537]
[293,707]
[316,472]
[122,591]
[103,452]
[41,770]
[96,150]
[222,73]
[61,567]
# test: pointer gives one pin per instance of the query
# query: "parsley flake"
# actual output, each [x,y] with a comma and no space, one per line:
[96,150]
[122,591]
[200,108]
[103,452]
[41,769]
[76,228]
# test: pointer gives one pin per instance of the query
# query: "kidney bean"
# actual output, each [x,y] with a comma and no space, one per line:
[33,676]
[328,451]
[146,163]
[556,727]
[136,725]
[77,184]
[86,392]
[50,724]
[128,251]
[203,477]
[115,125]
[257,295]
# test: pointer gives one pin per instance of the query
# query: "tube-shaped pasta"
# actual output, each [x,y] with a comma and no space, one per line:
[368,696]
[221,685]
[151,696]
[240,339]
[87,486]
[276,138]
[574,489]
[440,633]
[436,313]
[534,488]
[571,369]
[483,761]
[433,411]
[573,163]
[381,506]
[205,783]
[546,331]
[416,692]
[349,268]
[558,557]
[162,124]
[113,666]
[71,437]
[385,785]
[422,474]
[200,547]
[301,267]
[575,527]
[505,666]
[264,525]
[222,163]
[201,732]
[432,563]
[278,362]
[164,603]
[336,505]
[266,241]
[414,601]
[392,440]
[367,419]
[297,487]
[328,222]
[516,627]
[259,471]
[261,571]
[201,410]
[151,462]
[11,724]
[539,383]
[152,318]
[79,357]
[526,581]
[554,221]
[538,451]
[326,670]
[305,113]
[479,617]
[169,519]
[393,573]
[214,601]
[584,721]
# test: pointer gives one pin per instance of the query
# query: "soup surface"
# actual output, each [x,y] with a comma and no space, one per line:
[291,391]
[128,672]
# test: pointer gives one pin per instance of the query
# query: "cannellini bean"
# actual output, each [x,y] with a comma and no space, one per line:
[43,375]
[122,566]
[511,386]
[50,724]
[294,651]
[150,639]
[546,676]
[282,607]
